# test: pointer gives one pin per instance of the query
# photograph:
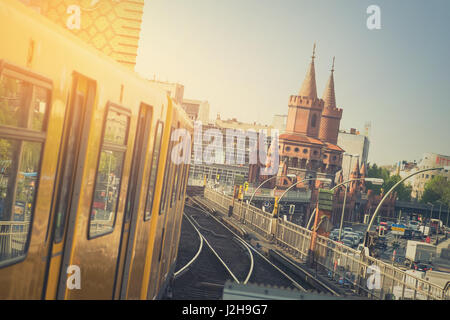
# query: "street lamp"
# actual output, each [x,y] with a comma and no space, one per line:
[431,216]
[345,193]
[448,211]
[263,183]
[376,181]
[438,229]
[294,184]
[309,179]
[440,208]
[389,192]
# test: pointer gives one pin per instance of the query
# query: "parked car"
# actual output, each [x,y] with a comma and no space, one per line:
[334,235]
[349,229]
[422,267]
[356,239]
[382,225]
[414,225]
[348,242]
[361,235]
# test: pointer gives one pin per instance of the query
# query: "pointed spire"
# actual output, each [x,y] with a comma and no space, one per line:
[341,178]
[362,172]
[355,172]
[329,95]
[308,88]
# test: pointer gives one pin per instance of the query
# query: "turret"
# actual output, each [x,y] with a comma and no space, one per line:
[331,115]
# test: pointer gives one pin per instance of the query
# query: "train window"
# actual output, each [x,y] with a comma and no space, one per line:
[23,109]
[26,104]
[167,177]
[181,183]
[177,169]
[109,172]
[153,170]
[116,128]
[185,179]
[176,183]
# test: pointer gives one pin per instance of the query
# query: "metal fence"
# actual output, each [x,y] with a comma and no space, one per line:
[368,276]
[13,238]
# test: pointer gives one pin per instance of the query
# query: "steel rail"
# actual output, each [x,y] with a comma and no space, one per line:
[218,257]
[295,283]
[176,274]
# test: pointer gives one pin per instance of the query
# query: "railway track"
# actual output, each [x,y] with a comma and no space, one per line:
[220,255]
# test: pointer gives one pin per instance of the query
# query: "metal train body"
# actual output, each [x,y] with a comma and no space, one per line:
[85,180]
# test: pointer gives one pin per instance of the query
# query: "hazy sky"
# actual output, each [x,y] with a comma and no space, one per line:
[246,57]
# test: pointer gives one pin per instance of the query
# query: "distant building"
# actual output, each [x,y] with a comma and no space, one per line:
[429,160]
[221,172]
[308,146]
[174,90]
[279,122]
[112,27]
[353,143]
[197,110]
[237,125]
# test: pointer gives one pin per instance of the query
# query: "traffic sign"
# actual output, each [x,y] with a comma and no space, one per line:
[325,199]
[239,180]
[398,228]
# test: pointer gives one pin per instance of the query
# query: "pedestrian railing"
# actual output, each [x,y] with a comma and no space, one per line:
[13,238]
[365,275]
[255,218]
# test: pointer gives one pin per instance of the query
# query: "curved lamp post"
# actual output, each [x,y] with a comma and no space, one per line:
[294,184]
[366,238]
[263,183]
[376,181]
[431,217]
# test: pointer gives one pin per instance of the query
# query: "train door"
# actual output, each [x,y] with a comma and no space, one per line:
[141,145]
[27,146]
[95,226]
[71,164]
[155,269]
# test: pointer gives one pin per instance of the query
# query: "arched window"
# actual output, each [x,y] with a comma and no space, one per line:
[313,120]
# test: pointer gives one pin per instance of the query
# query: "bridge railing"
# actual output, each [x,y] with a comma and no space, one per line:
[13,238]
[367,275]
[293,238]
[372,277]
[255,218]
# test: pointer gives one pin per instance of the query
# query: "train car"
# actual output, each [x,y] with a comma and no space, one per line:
[90,201]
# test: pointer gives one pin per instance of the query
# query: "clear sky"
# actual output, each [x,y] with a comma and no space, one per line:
[246,57]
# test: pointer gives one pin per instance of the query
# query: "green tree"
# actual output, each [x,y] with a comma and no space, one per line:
[403,191]
[437,189]
[373,171]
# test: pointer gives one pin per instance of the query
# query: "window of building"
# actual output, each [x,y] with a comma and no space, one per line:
[24,106]
[109,171]
[296,149]
[313,120]
[305,150]
[288,148]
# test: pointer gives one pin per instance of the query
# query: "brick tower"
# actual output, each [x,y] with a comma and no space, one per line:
[305,109]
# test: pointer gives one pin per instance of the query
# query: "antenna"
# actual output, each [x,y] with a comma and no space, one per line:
[367,128]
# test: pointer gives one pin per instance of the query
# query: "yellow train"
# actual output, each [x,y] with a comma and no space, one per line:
[90,203]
